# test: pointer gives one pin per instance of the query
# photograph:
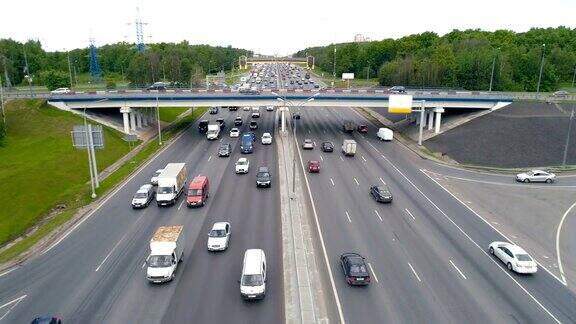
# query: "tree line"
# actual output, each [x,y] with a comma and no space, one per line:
[180,63]
[460,59]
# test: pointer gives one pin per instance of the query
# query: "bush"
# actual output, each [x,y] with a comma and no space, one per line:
[55,79]
[110,85]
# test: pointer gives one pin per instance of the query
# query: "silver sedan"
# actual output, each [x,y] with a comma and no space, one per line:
[536,176]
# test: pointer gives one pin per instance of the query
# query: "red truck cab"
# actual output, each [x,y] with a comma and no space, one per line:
[198,191]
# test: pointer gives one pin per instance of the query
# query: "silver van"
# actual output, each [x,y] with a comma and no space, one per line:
[253,280]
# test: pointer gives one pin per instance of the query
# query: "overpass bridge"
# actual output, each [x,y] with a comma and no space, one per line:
[244,61]
[137,106]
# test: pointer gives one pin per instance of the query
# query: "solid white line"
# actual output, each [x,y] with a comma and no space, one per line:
[489,224]
[110,253]
[321,158]
[312,142]
[382,181]
[15,302]
[209,158]
[349,219]
[357,183]
[363,158]
[143,264]
[113,193]
[373,272]
[462,274]
[182,203]
[529,186]
[377,214]
[7,272]
[332,181]
[414,271]
[341,159]
[558,241]
[326,260]
[409,213]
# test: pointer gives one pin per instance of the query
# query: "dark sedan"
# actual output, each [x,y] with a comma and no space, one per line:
[381,193]
[224,150]
[327,147]
[355,269]
[362,129]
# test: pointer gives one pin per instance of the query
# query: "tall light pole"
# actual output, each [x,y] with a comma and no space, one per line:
[69,69]
[158,122]
[2,104]
[541,68]
[28,75]
[574,76]
[94,183]
[334,68]
[493,65]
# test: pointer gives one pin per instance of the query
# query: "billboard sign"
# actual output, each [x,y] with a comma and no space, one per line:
[400,104]
[347,76]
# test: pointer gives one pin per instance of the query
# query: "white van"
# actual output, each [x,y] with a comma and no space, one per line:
[253,280]
[385,134]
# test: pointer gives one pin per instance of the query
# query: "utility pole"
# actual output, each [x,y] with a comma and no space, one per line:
[334,69]
[158,120]
[493,65]
[541,68]
[28,75]
[69,69]
[2,104]
[574,76]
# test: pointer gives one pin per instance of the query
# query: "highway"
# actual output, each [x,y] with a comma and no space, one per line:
[96,274]
[427,252]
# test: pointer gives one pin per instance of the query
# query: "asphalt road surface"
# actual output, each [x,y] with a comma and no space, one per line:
[96,274]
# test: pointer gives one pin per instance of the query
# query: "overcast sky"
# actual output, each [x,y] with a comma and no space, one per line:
[266,26]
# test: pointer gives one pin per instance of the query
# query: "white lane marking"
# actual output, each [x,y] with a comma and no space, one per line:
[505,271]
[348,215]
[321,158]
[113,193]
[498,231]
[384,182]
[324,252]
[558,241]
[113,248]
[377,214]
[312,142]
[209,158]
[409,213]
[182,203]
[309,132]
[341,159]
[324,131]
[7,272]
[143,264]
[414,271]
[220,139]
[357,183]
[373,272]
[332,181]
[15,302]
[455,267]
[363,158]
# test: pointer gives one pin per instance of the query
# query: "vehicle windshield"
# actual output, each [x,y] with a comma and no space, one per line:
[252,280]
[217,233]
[530,173]
[195,192]
[523,257]
[383,190]
[263,174]
[159,261]
[242,162]
[140,195]
[157,173]
[165,190]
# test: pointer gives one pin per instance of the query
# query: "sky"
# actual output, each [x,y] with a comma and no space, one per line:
[266,26]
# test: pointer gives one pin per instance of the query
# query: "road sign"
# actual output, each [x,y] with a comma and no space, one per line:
[400,104]
[79,137]
[347,76]
[131,138]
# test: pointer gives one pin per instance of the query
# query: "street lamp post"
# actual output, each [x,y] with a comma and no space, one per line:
[574,76]
[69,69]
[541,68]
[334,68]
[158,122]
[2,104]
[493,65]
[94,183]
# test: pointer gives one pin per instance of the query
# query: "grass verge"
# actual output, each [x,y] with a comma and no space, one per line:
[169,114]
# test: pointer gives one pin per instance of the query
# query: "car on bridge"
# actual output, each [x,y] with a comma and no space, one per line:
[61,91]
[536,176]
[514,257]
[355,269]
[219,237]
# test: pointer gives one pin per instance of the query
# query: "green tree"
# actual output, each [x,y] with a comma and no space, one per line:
[55,79]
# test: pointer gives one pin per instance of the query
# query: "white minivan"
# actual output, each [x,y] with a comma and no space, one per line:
[253,280]
[385,134]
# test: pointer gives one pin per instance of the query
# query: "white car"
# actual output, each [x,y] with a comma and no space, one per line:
[515,258]
[269,108]
[308,144]
[219,237]
[256,114]
[266,138]
[536,176]
[234,132]
[143,196]
[61,91]
[242,165]
[154,179]
[246,108]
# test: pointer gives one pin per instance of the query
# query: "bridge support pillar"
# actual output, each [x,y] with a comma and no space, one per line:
[125,111]
[133,120]
[430,119]
[438,111]
[139,118]
[417,118]
[145,117]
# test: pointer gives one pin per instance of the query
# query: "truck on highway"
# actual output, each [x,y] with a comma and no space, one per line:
[348,126]
[166,250]
[213,131]
[349,147]
[171,183]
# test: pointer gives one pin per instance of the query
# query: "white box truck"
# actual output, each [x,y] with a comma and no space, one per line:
[166,250]
[171,183]
[349,147]
[385,134]
[213,131]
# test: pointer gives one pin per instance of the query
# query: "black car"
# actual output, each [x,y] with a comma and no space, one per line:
[355,269]
[362,129]
[233,108]
[238,121]
[213,110]
[203,126]
[157,87]
[46,320]
[253,125]
[221,122]
[225,149]
[327,147]
[263,177]
[296,116]
[381,193]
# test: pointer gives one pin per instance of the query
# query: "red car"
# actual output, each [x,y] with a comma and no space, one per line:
[362,129]
[313,166]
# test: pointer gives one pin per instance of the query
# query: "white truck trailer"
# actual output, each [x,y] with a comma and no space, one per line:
[213,131]
[171,183]
[349,147]
[166,250]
